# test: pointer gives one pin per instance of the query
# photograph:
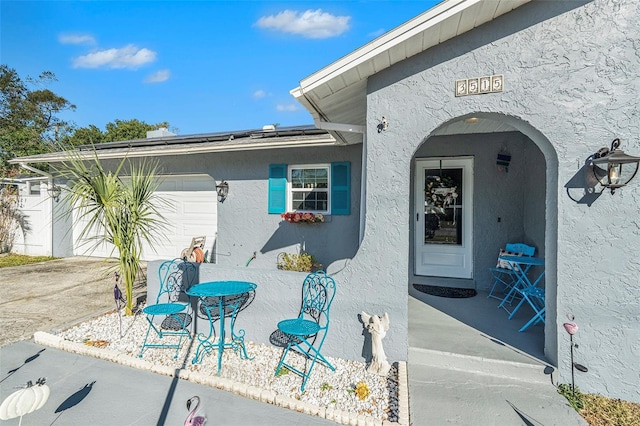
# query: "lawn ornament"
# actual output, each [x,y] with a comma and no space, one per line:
[572,328]
[25,401]
[120,300]
[377,327]
[192,419]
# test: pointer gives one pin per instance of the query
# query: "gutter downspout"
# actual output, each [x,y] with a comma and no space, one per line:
[363,189]
[49,184]
[37,171]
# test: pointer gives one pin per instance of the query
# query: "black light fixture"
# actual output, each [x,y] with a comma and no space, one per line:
[613,168]
[54,191]
[223,190]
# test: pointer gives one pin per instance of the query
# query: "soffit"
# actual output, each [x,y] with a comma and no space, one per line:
[337,93]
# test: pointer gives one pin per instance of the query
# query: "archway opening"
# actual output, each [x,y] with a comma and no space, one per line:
[512,196]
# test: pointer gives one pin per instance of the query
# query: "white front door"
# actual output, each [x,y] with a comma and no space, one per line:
[444,217]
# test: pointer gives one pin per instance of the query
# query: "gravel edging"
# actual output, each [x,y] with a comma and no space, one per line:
[242,389]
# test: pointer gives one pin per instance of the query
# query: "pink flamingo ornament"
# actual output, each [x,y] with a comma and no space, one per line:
[192,419]
[571,327]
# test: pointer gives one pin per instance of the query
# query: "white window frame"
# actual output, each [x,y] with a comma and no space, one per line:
[291,190]
[31,191]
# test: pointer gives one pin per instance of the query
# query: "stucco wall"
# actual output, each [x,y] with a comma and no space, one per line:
[244,227]
[571,93]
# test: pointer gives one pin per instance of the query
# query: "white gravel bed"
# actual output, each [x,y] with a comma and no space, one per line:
[325,388]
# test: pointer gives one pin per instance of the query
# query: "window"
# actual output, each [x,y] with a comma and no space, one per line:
[309,188]
[319,188]
[34,188]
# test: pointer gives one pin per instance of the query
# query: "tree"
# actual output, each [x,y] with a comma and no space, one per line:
[28,117]
[84,136]
[126,130]
[122,213]
[119,130]
[12,218]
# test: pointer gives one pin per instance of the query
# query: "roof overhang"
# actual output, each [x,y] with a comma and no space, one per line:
[337,93]
[192,144]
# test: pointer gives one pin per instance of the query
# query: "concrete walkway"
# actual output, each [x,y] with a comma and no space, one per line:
[89,391]
[461,375]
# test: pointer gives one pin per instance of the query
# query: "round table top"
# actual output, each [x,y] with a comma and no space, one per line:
[220,288]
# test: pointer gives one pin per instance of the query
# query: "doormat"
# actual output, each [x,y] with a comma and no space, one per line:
[452,292]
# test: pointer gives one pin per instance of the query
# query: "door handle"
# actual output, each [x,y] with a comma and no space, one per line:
[418,217]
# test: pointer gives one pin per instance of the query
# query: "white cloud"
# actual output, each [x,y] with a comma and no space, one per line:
[287,108]
[76,39]
[129,56]
[158,76]
[259,94]
[311,23]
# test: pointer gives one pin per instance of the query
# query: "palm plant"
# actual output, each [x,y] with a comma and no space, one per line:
[121,212]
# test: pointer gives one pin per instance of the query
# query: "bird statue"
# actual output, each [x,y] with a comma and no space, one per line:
[192,419]
[25,401]
[120,300]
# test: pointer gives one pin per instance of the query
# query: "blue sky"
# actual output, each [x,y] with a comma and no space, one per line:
[203,66]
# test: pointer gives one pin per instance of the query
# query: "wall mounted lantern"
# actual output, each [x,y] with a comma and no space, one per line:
[54,191]
[613,168]
[223,191]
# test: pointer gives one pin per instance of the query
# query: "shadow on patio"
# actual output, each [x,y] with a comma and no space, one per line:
[474,327]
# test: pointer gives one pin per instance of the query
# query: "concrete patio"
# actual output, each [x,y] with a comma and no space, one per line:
[469,365]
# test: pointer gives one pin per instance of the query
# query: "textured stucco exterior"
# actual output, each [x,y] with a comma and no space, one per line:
[571,86]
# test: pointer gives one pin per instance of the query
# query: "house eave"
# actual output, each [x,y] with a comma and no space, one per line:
[337,92]
[182,149]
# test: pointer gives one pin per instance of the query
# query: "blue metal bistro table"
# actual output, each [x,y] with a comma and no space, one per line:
[226,293]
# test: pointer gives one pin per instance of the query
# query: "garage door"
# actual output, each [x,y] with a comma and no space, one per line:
[190,208]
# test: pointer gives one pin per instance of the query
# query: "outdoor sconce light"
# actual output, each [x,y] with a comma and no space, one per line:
[613,168]
[223,190]
[54,191]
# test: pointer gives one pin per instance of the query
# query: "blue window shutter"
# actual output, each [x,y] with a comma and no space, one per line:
[277,188]
[341,188]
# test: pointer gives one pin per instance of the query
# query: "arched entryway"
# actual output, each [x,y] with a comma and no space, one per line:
[493,203]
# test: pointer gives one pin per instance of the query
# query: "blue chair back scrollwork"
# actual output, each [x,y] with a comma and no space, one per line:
[306,333]
[171,306]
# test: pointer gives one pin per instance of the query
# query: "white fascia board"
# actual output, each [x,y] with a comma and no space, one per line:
[177,150]
[422,22]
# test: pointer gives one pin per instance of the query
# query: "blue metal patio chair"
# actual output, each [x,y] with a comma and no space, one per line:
[172,303]
[503,276]
[307,332]
[534,296]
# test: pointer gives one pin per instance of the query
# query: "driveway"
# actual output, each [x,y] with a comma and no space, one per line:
[67,290]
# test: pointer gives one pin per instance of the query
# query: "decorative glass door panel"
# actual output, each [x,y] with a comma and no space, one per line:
[443,206]
[443,200]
